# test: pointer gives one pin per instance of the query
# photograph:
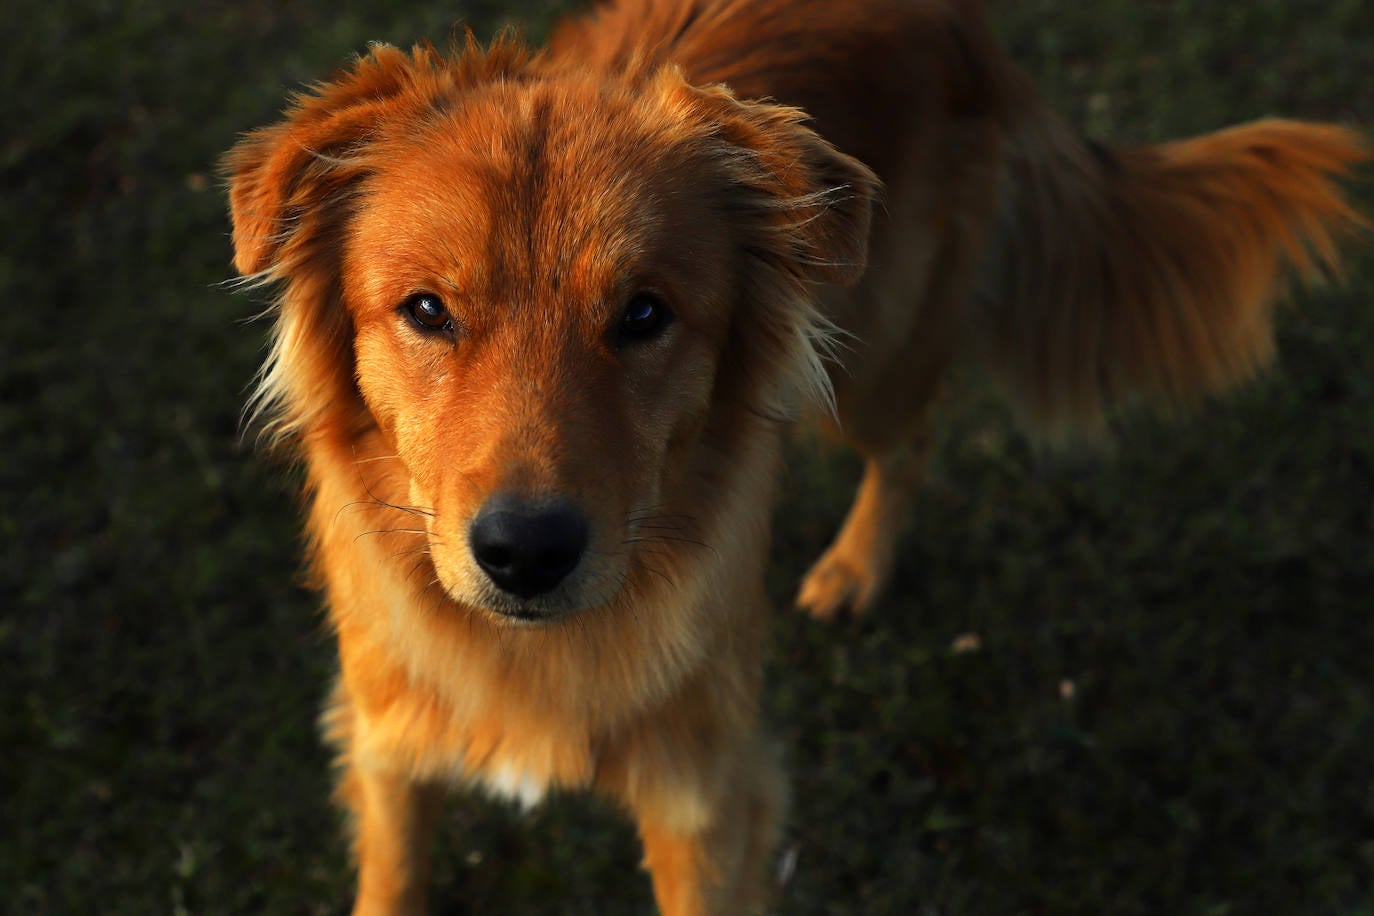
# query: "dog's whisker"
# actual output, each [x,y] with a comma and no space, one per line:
[663,516]
[423,548]
[378,531]
[670,538]
[376,458]
[643,512]
[367,488]
[657,572]
[416,567]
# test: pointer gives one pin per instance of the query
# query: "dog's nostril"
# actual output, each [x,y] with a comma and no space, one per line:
[494,554]
[527,550]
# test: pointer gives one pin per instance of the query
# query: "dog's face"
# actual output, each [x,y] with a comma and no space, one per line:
[540,295]
[545,293]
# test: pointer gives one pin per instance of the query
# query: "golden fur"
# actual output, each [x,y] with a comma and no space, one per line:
[534,195]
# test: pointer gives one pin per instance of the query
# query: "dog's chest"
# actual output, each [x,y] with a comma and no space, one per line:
[508,782]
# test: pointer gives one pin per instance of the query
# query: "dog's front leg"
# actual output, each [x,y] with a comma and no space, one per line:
[721,869]
[394,819]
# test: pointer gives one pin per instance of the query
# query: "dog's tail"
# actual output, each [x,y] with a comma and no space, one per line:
[1153,271]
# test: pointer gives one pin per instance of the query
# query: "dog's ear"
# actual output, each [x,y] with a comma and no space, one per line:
[290,189]
[284,180]
[815,200]
[287,179]
[801,212]
[291,194]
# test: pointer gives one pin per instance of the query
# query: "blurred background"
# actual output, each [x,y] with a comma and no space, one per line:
[1133,682]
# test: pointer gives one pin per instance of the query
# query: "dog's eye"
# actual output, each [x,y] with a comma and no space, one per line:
[645,317]
[426,311]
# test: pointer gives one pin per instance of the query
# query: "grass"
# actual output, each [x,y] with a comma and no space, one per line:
[1170,708]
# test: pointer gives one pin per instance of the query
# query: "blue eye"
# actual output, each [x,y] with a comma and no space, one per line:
[646,315]
[427,312]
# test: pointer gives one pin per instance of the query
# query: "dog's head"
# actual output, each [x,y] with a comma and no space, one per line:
[552,295]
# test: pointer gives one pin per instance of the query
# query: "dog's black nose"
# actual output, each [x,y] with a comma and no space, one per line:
[527,550]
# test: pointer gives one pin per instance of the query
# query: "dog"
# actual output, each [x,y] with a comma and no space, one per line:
[542,319]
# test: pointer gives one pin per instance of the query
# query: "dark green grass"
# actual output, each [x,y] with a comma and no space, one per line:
[1203,593]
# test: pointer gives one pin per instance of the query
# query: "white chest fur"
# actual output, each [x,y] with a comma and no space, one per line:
[507,782]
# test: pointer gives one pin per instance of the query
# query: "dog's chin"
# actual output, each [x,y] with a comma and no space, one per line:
[507,610]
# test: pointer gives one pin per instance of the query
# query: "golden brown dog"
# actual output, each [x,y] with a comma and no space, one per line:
[541,318]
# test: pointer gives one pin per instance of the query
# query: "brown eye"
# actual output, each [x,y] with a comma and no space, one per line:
[646,316]
[427,313]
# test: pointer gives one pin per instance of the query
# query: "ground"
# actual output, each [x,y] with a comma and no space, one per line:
[1136,682]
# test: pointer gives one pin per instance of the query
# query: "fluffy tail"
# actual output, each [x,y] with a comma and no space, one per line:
[1153,271]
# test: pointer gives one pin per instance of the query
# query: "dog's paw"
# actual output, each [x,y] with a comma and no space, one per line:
[836,585]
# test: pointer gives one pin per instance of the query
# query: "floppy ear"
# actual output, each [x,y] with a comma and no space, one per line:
[801,212]
[284,180]
[289,190]
[818,200]
[289,180]
[292,188]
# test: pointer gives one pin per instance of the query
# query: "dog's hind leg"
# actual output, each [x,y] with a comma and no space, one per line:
[858,564]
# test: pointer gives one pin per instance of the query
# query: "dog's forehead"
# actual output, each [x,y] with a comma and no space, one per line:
[533,183]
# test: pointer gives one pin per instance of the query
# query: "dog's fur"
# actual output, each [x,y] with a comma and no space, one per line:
[534,195]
